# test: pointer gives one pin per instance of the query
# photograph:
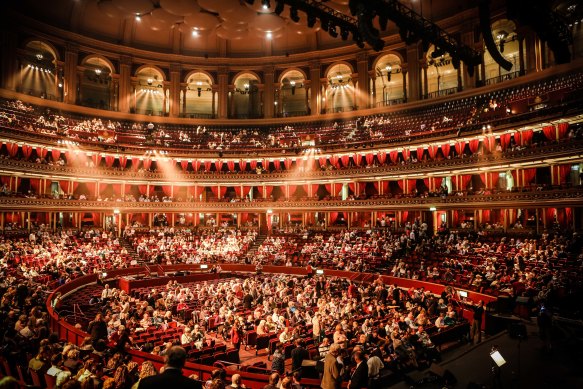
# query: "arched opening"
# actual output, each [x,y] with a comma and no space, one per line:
[506,39]
[38,71]
[339,95]
[245,99]
[197,101]
[149,92]
[389,82]
[442,78]
[293,97]
[95,88]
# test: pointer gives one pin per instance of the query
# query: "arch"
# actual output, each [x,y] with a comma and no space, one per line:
[389,81]
[47,46]
[198,97]
[290,70]
[89,58]
[242,73]
[195,71]
[292,97]
[331,67]
[379,59]
[442,77]
[155,69]
[506,39]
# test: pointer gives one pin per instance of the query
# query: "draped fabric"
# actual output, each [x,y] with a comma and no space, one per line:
[361,188]
[568,216]
[147,163]
[315,188]
[474,144]
[400,183]
[277,164]
[242,165]
[550,216]
[352,187]
[357,158]
[253,165]
[135,163]
[12,149]
[287,163]
[505,141]
[328,188]
[385,187]
[394,156]
[215,191]
[35,184]
[369,159]
[64,186]
[404,216]
[123,162]
[238,191]
[184,165]
[194,191]
[322,161]
[550,132]
[529,175]
[334,161]
[460,146]
[486,216]
[231,166]
[96,158]
[91,188]
[109,160]
[406,154]
[116,189]
[517,137]
[564,171]
[562,129]
[246,190]
[445,149]
[56,154]
[466,178]
[426,183]
[143,190]
[526,137]
[411,185]
[490,143]
[207,166]
[292,190]
[437,181]
[494,178]
[167,190]
[219,165]
[268,190]
[128,189]
[381,157]
[195,165]
[333,217]
[484,178]
[419,153]
[96,216]
[41,152]
[432,150]
[26,151]
[345,160]
[223,192]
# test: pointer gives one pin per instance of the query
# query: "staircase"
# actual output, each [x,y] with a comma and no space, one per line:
[131,251]
[258,242]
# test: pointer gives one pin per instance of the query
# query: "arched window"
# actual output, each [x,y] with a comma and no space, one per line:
[442,77]
[38,67]
[340,89]
[95,88]
[389,82]
[198,97]
[245,99]
[293,98]
[506,39]
[150,98]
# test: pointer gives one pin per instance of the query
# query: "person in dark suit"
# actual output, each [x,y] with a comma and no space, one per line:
[172,376]
[298,355]
[359,378]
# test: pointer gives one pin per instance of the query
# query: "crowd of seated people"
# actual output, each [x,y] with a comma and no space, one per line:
[393,325]
[408,123]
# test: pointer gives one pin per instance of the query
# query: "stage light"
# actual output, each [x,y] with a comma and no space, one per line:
[195,33]
[266,4]
[138,18]
[268,35]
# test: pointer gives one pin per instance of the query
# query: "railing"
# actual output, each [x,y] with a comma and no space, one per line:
[340,109]
[502,78]
[289,114]
[443,92]
[197,115]
[68,332]
[387,103]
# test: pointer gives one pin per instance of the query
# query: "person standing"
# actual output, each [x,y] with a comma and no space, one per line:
[172,376]
[298,355]
[359,378]
[476,330]
[332,378]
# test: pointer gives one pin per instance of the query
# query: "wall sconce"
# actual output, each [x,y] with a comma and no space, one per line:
[150,81]
[389,69]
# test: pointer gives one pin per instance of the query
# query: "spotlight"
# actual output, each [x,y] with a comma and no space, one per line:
[293,14]
[98,71]
[138,18]
[268,35]
[39,56]
[266,4]
[195,33]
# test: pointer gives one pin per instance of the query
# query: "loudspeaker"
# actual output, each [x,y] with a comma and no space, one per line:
[517,330]
[446,375]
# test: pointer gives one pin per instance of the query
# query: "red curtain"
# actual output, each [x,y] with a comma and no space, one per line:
[328,188]
[64,186]
[287,163]
[352,187]
[411,185]
[369,159]
[381,157]
[109,159]
[123,162]
[35,184]
[400,184]
[184,165]
[41,152]
[322,161]
[465,180]
[490,143]
[438,181]
[460,146]
[238,191]
[334,161]
[268,190]
[394,156]
[12,149]
[345,160]
[277,164]
[445,149]
[333,217]
[253,165]
[419,153]
[231,166]
[147,163]
[56,154]
[432,150]
[526,137]
[215,191]
[426,182]
[207,166]
[292,190]
[242,165]
[314,189]
[529,175]
[550,132]
[219,165]
[246,190]
[474,143]
[494,178]
[562,129]
[26,151]
[116,189]
[505,141]
[143,189]
[565,171]
[223,192]
[356,158]
[406,154]
[96,218]
[195,165]
[135,163]
[167,190]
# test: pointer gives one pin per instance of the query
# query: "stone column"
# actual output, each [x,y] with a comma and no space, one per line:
[175,90]
[223,78]
[268,92]
[404,72]
[8,45]
[414,72]
[362,93]
[125,86]
[70,74]
[315,101]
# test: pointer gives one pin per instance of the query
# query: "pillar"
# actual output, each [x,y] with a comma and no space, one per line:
[414,72]
[125,86]
[315,101]
[175,90]
[70,74]
[223,78]
[268,92]
[9,43]
[404,73]
[363,81]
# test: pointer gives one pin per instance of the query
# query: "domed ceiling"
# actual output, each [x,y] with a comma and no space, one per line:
[225,28]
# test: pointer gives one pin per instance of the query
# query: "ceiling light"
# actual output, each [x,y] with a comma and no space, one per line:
[292,83]
[268,35]
[98,71]
[199,83]
[138,18]
[266,4]
[39,56]
[195,33]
